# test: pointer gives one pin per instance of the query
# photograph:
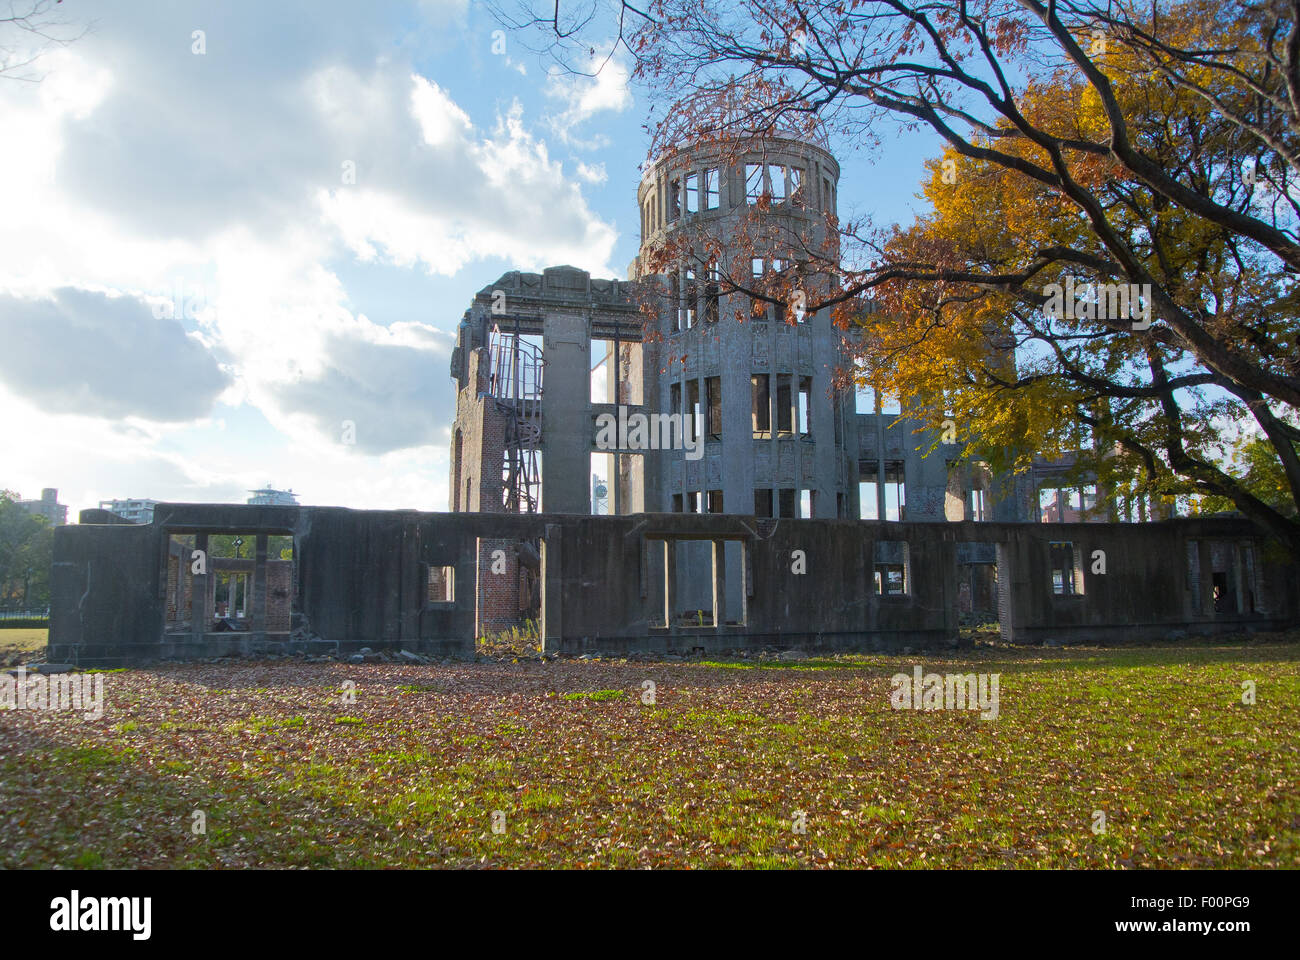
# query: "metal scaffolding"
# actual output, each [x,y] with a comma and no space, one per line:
[515,385]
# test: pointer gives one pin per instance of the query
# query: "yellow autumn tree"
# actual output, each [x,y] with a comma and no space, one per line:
[1100,146]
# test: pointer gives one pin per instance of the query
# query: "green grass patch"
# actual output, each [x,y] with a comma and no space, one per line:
[597,695]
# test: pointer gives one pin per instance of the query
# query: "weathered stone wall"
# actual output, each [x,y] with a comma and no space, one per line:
[361,579]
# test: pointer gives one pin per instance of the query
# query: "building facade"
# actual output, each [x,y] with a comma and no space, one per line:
[47,506]
[136,511]
[268,496]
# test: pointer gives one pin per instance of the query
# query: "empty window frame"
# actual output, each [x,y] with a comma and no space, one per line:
[895,490]
[695,583]
[761,406]
[714,501]
[805,407]
[441,584]
[796,184]
[756,267]
[691,293]
[1067,569]
[674,199]
[1060,504]
[978,505]
[890,569]
[694,415]
[675,398]
[711,296]
[603,362]
[762,503]
[692,193]
[693,593]
[604,475]
[891,580]
[868,490]
[1089,495]
[776,182]
[713,420]
[691,501]
[1047,511]
[807,503]
[753,182]
[675,300]
[712,183]
[677,503]
[784,405]
[785,503]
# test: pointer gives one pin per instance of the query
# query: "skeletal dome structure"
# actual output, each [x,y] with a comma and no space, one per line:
[754,377]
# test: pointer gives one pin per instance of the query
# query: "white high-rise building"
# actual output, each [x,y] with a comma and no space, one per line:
[269,496]
[137,511]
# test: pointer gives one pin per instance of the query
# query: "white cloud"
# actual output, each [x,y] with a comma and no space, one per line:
[582,97]
[472,194]
[80,350]
[592,173]
[137,166]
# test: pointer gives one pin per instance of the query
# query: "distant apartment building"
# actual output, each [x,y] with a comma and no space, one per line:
[137,511]
[47,506]
[269,496]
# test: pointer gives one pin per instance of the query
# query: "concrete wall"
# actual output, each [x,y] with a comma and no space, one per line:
[361,580]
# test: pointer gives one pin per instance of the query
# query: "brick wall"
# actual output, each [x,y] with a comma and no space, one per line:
[279,595]
[503,598]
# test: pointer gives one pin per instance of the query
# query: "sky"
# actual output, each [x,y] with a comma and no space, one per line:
[236,239]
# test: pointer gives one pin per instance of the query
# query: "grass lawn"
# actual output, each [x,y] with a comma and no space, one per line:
[20,645]
[292,767]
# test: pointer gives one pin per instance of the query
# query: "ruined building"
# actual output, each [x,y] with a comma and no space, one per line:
[753,382]
[768,510]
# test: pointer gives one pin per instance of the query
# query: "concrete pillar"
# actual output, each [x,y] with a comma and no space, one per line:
[201,592]
[552,590]
[259,585]
[719,582]
[670,580]
[566,415]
